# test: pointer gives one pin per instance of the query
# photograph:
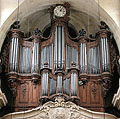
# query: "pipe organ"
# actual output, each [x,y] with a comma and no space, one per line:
[59,65]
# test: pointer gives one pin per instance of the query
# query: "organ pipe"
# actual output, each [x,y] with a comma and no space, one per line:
[52,86]
[14,54]
[93,60]
[35,59]
[25,60]
[73,84]
[104,55]
[59,50]
[47,56]
[72,56]
[45,84]
[59,84]
[66,86]
[83,59]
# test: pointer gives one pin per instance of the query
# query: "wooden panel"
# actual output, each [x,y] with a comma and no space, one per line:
[83,94]
[95,93]
[34,93]
[24,93]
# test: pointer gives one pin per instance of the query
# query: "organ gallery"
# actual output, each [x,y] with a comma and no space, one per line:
[60,65]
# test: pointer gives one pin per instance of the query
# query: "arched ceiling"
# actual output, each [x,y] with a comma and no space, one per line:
[84,14]
[41,19]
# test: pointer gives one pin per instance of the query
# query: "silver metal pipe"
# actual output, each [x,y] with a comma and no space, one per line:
[92,60]
[59,46]
[14,53]
[85,59]
[59,84]
[94,54]
[104,53]
[33,59]
[51,56]
[72,84]
[43,87]
[107,54]
[55,50]
[47,83]
[26,60]
[82,56]
[63,47]
[77,59]
[37,56]
[34,54]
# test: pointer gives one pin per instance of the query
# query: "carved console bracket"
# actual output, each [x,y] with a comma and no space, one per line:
[83,79]
[106,82]
[13,83]
[35,78]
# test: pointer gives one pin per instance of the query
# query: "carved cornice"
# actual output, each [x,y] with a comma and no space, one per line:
[60,110]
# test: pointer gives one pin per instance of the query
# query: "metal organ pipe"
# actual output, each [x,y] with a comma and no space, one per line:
[66,86]
[25,60]
[45,84]
[59,49]
[35,59]
[83,60]
[63,48]
[52,86]
[107,55]
[59,84]
[46,56]
[73,84]
[14,54]
[55,51]
[104,54]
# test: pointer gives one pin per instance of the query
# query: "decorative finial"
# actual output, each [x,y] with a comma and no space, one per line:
[103,25]
[37,32]
[82,32]
[15,25]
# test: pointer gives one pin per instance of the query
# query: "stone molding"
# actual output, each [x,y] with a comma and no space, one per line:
[3,99]
[59,110]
